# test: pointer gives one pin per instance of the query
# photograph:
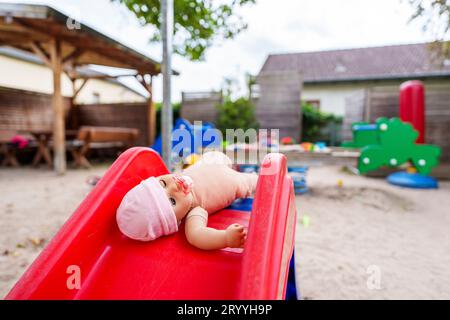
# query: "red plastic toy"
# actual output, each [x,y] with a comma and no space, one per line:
[412,106]
[111,266]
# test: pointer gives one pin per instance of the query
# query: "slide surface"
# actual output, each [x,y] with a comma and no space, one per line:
[90,259]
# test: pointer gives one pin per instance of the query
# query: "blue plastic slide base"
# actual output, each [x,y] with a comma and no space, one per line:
[248,168]
[412,180]
[242,204]
[292,292]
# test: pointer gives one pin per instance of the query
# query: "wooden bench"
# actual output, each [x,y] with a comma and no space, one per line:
[89,137]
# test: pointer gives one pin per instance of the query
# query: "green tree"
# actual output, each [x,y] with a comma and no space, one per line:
[250,81]
[434,15]
[238,114]
[314,123]
[197,24]
[176,107]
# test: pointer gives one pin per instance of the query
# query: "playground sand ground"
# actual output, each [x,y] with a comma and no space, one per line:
[364,240]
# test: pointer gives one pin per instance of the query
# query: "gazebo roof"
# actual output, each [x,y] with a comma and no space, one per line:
[26,25]
[64,45]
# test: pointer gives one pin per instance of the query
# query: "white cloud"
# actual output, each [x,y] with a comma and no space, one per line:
[274,26]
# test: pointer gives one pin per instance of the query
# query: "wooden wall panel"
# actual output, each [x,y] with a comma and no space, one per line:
[200,106]
[354,112]
[278,105]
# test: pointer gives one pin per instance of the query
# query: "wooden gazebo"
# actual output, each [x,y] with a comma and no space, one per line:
[63,45]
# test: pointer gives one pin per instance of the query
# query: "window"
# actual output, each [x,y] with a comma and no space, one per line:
[314,103]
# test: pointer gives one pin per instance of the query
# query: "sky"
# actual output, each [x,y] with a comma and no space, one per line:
[274,26]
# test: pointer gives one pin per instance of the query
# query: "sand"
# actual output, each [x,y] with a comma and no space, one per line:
[365,240]
[372,240]
[34,204]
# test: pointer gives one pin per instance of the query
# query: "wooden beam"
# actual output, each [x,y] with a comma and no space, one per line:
[33,30]
[73,112]
[69,59]
[151,114]
[97,52]
[59,147]
[151,110]
[18,38]
[148,87]
[40,52]
[77,90]
[17,28]
[102,76]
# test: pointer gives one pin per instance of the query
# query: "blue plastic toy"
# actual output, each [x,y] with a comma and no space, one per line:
[412,180]
[186,142]
[248,168]
[298,175]
[242,204]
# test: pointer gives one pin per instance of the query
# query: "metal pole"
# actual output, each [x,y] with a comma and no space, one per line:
[166,125]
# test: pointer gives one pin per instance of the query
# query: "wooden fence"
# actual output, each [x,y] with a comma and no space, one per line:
[125,115]
[23,110]
[200,106]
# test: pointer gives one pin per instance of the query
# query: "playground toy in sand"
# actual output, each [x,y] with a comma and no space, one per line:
[395,145]
[364,134]
[396,141]
[313,147]
[89,258]
[298,175]
[188,138]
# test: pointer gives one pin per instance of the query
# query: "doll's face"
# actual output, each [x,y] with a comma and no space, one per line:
[179,199]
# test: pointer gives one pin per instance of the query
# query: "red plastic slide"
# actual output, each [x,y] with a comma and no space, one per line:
[90,259]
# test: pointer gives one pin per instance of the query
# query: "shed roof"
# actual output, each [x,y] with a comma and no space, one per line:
[362,64]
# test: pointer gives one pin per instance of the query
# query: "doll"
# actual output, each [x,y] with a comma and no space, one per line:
[157,205]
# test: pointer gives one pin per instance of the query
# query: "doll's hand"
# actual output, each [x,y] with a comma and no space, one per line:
[235,236]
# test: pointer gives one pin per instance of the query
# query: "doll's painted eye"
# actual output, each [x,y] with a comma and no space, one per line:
[163,183]
[172,201]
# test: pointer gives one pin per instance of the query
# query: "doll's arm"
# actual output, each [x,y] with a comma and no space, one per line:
[202,237]
[247,184]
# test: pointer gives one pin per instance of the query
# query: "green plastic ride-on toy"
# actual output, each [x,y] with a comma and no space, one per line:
[396,146]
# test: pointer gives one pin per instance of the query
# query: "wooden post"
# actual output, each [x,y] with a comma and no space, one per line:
[151,111]
[73,116]
[59,148]
[151,115]
[73,112]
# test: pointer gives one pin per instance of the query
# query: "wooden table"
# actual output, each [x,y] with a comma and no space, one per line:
[43,139]
[43,150]
[8,153]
